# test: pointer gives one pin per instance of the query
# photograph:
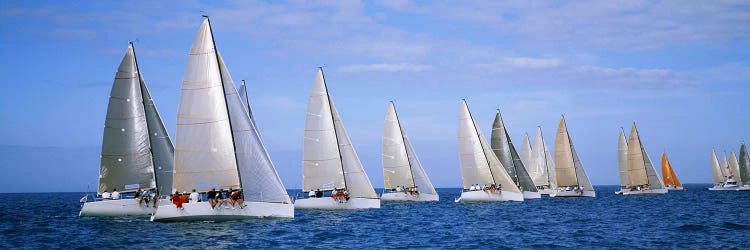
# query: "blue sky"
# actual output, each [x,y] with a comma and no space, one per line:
[680,70]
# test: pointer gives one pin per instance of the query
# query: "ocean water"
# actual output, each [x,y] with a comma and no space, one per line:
[695,219]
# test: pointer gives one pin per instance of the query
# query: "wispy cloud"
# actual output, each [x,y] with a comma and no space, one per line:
[384,67]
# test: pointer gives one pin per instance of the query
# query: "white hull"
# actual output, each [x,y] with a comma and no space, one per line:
[115,208]
[531,195]
[547,191]
[560,193]
[622,190]
[724,188]
[330,203]
[646,192]
[674,188]
[743,188]
[201,211]
[469,196]
[408,197]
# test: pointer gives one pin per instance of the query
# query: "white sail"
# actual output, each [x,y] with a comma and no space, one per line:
[528,160]
[126,159]
[396,166]
[204,148]
[716,174]
[734,167]
[420,177]
[640,169]
[622,158]
[329,159]
[321,165]
[568,167]
[258,177]
[479,165]
[725,166]
[544,162]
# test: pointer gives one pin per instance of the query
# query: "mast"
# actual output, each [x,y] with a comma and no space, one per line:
[333,121]
[480,143]
[247,102]
[143,102]
[401,130]
[226,104]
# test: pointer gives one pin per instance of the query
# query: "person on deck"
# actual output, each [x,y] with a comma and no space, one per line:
[115,194]
[222,197]
[195,196]
[311,194]
[106,195]
[211,196]
[138,197]
[185,198]
[154,196]
[318,193]
[472,188]
[399,189]
[176,200]
[237,199]
[346,194]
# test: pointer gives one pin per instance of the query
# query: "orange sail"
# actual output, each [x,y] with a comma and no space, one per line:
[670,178]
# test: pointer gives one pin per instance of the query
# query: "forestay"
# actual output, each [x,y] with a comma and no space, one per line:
[126,158]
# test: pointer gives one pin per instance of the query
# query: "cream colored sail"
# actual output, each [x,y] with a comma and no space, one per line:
[396,167]
[725,166]
[640,169]
[543,160]
[204,150]
[622,158]
[568,166]
[479,165]
[716,174]
[734,167]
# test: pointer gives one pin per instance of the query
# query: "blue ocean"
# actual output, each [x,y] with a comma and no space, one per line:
[694,219]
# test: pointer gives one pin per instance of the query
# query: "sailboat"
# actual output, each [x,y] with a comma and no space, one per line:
[642,176]
[744,169]
[722,182]
[670,178]
[544,179]
[622,162]
[484,177]
[136,150]
[405,179]
[503,148]
[734,167]
[571,177]
[218,145]
[329,161]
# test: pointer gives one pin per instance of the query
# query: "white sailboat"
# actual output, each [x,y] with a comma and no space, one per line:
[571,177]
[722,182]
[503,148]
[218,145]
[136,150]
[642,177]
[405,179]
[484,177]
[329,161]
[545,178]
[743,168]
[622,162]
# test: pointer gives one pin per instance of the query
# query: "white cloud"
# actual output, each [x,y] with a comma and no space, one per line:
[384,67]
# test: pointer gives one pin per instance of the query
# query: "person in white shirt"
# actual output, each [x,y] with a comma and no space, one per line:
[311,194]
[472,188]
[195,196]
[106,195]
[399,189]
[115,194]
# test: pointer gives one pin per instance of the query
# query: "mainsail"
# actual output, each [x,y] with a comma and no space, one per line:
[670,178]
[744,165]
[544,163]
[503,148]
[329,160]
[136,149]
[716,174]
[527,158]
[734,167]
[640,169]
[622,158]
[218,145]
[568,167]
[479,165]
[400,164]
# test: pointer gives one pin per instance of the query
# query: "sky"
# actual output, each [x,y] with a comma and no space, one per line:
[679,69]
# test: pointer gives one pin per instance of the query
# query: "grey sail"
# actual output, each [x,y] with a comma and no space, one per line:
[258,177]
[744,163]
[162,150]
[503,148]
[622,158]
[126,159]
